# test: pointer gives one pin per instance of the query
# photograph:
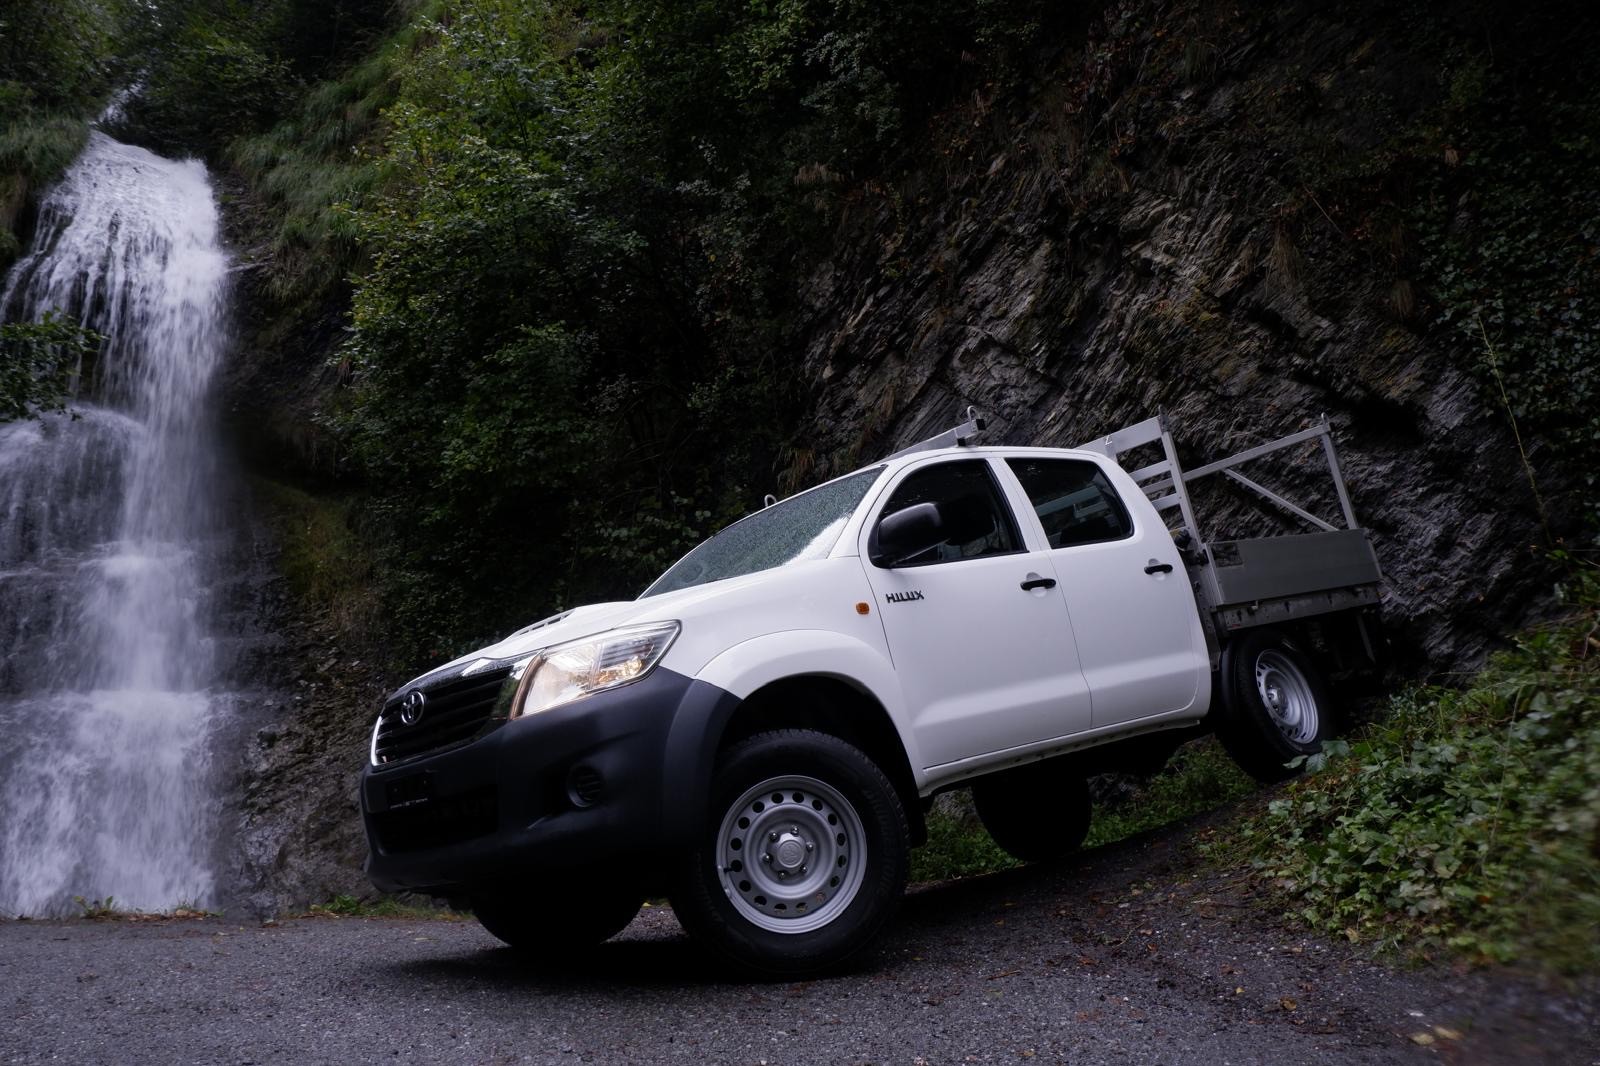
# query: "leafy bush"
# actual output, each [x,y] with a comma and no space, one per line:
[38,361]
[577,243]
[1466,818]
[57,55]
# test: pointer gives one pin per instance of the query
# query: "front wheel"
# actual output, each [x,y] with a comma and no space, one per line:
[803,859]
[1275,705]
[547,922]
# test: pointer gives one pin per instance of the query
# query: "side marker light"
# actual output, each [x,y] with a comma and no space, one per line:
[863,608]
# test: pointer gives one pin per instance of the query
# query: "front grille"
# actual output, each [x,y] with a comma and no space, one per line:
[455,712]
[438,823]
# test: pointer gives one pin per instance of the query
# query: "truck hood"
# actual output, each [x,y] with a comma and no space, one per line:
[588,620]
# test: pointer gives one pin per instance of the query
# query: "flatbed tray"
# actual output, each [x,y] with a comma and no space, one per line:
[1267,568]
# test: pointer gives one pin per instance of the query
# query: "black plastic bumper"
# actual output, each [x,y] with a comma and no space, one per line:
[618,778]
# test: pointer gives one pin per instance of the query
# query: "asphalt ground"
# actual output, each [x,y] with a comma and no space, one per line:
[1132,954]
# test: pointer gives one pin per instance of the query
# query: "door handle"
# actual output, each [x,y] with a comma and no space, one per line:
[1038,583]
[1158,568]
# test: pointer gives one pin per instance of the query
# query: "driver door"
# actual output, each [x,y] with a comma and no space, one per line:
[979,636]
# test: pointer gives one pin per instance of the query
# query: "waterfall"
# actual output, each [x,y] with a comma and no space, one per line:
[109,542]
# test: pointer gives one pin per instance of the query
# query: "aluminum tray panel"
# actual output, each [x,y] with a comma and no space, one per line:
[1267,568]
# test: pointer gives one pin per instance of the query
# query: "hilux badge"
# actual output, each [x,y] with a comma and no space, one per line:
[411,708]
[905,597]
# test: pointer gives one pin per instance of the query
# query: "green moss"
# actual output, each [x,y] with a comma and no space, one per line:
[324,560]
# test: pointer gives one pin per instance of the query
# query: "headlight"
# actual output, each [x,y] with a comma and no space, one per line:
[580,668]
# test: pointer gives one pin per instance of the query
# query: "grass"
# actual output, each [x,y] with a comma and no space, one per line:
[40,146]
[314,167]
[1199,778]
[35,149]
[344,906]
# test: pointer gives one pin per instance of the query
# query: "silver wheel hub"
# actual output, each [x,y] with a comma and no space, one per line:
[1286,694]
[792,854]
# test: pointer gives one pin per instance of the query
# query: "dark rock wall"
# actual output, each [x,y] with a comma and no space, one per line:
[1116,243]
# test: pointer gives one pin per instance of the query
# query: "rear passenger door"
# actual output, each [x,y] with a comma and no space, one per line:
[979,636]
[1124,587]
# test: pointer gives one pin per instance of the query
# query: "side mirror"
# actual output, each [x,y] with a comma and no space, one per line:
[907,533]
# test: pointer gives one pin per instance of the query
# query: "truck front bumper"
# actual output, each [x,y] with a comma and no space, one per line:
[618,779]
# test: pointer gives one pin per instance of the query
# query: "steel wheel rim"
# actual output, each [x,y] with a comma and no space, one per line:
[791,852]
[1286,694]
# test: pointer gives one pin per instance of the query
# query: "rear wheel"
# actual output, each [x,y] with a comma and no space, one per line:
[803,858]
[1274,705]
[548,922]
[1035,813]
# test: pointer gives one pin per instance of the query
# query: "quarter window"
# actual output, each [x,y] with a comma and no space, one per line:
[965,491]
[1074,501]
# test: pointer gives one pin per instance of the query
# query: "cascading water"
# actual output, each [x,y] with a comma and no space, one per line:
[110,537]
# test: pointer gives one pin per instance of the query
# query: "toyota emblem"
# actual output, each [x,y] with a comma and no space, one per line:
[411,708]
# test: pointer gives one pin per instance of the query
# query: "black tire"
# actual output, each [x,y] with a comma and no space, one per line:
[1275,705]
[827,858]
[1035,813]
[552,923]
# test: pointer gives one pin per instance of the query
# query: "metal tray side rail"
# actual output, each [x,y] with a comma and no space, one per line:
[1260,580]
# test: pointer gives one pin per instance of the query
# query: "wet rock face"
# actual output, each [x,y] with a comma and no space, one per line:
[1066,294]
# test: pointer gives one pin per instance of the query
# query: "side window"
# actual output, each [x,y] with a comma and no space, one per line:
[1074,501]
[965,491]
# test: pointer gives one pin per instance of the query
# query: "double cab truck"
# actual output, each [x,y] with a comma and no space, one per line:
[759,735]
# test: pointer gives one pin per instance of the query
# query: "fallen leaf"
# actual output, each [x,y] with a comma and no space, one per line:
[1424,1039]
[1288,1004]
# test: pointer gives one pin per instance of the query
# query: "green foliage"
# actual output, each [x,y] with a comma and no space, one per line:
[1471,199]
[98,910]
[38,361]
[957,847]
[57,55]
[322,557]
[211,71]
[1510,240]
[211,75]
[1199,778]
[346,906]
[576,249]
[1465,818]
[311,174]
[56,65]
[41,146]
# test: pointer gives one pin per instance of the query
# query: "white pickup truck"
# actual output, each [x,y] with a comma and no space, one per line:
[760,733]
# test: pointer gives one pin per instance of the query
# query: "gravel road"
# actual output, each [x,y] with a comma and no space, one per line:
[1127,956]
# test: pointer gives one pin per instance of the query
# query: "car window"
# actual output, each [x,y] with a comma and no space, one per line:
[1074,501]
[965,491]
[804,526]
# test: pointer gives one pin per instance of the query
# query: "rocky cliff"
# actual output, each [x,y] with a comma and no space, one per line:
[1140,230]
[1223,214]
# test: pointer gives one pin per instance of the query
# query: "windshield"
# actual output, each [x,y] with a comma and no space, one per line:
[801,527]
